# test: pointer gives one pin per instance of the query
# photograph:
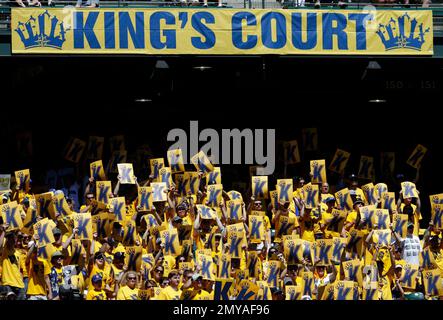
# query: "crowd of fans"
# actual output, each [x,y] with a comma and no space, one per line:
[139,241]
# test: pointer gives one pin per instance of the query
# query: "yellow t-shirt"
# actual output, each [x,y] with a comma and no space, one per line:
[10,263]
[203,295]
[105,273]
[23,269]
[351,218]
[308,228]
[187,221]
[96,295]
[126,293]
[384,285]
[325,218]
[417,218]
[116,274]
[78,281]
[37,271]
[168,293]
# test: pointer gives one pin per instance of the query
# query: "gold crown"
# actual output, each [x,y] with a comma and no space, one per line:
[340,285]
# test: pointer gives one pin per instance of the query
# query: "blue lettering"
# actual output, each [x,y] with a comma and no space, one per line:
[259,188]
[360,28]
[126,26]
[266,29]
[221,290]
[82,223]
[329,31]
[109,30]
[155,31]
[233,249]
[297,31]
[342,293]
[234,212]
[85,30]
[169,247]
[203,30]
[226,266]
[103,194]
[255,229]
[251,41]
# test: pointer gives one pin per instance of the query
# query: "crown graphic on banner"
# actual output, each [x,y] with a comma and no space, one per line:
[394,34]
[45,31]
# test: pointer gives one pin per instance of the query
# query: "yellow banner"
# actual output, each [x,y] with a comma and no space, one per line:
[227,31]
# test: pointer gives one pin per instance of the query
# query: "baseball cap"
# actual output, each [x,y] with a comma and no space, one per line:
[119,255]
[288,281]
[358,200]
[196,276]
[56,231]
[410,224]
[177,219]
[330,199]
[57,254]
[276,290]
[99,255]
[96,278]
[182,206]
[398,266]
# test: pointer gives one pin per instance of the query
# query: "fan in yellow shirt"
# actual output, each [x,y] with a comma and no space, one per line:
[96,293]
[102,268]
[327,217]
[435,245]
[118,266]
[198,292]
[325,192]
[39,286]
[10,262]
[413,212]
[171,292]
[353,218]
[129,290]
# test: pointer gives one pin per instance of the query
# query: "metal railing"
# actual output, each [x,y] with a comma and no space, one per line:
[436,6]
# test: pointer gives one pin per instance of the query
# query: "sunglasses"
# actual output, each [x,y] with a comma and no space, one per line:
[158,270]
[132,278]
